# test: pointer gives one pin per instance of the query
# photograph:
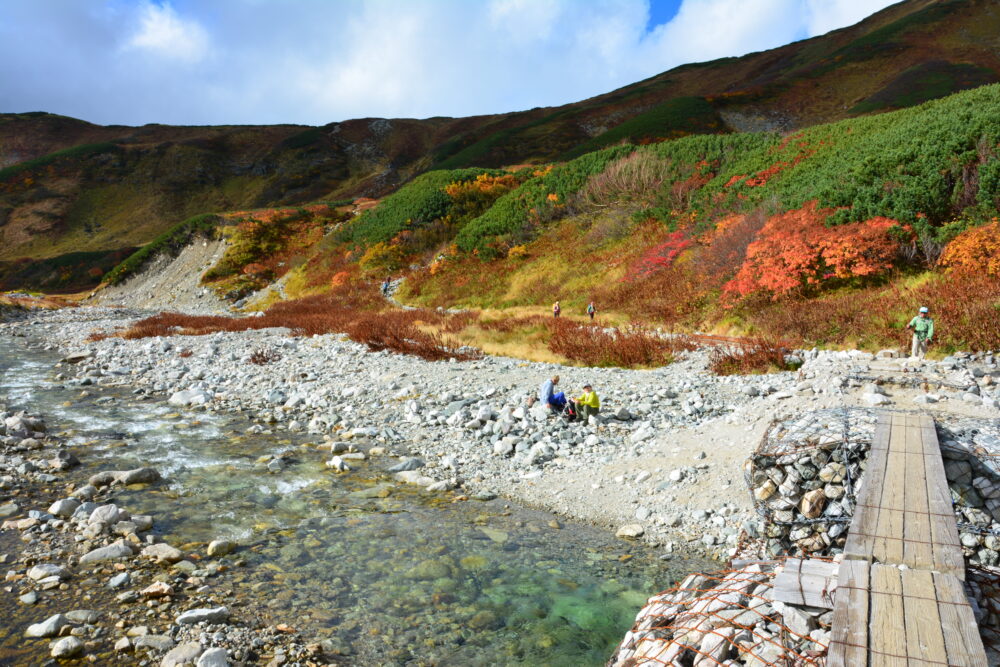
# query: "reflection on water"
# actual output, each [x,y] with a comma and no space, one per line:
[389,574]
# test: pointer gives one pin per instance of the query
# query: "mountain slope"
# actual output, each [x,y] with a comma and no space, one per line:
[118,187]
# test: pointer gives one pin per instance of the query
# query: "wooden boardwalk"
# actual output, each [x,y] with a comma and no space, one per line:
[917,615]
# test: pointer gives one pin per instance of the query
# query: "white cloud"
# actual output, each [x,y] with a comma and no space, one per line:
[826,15]
[317,61]
[164,33]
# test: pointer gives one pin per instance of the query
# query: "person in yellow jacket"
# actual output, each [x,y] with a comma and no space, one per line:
[588,403]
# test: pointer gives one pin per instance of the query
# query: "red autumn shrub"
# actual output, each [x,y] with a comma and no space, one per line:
[797,250]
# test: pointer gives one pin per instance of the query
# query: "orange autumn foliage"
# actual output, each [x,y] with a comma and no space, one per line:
[797,250]
[483,183]
[975,250]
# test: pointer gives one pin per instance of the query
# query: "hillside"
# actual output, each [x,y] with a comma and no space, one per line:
[67,186]
[831,235]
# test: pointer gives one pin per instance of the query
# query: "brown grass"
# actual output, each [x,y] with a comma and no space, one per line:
[754,355]
[625,347]
[354,310]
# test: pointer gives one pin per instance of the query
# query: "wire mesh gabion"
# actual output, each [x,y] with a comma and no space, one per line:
[804,477]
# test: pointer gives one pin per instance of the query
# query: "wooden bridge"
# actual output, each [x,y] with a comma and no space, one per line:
[900,596]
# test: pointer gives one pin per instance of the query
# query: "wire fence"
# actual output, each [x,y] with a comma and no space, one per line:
[726,617]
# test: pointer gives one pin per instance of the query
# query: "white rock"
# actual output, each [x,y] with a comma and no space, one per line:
[214,657]
[631,530]
[67,647]
[50,627]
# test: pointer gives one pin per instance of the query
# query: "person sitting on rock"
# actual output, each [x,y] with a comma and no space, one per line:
[548,395]
[588,403]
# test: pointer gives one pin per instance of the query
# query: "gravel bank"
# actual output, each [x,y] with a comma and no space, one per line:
[663,463]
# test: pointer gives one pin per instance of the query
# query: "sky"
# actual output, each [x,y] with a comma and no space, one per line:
[312,62]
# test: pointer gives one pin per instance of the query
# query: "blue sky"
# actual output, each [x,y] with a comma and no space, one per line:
[318,61]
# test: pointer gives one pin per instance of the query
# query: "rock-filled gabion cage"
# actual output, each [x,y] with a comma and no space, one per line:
[804,477]
[971,453]
[729,618]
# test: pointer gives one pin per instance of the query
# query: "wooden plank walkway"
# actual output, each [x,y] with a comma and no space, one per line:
[918,615]
[904,513]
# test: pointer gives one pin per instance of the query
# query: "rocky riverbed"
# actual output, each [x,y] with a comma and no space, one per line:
[662,464]
[325,568]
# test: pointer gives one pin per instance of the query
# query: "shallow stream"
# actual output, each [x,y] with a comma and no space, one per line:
[389,574]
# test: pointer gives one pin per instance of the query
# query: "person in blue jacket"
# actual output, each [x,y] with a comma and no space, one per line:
[548,395]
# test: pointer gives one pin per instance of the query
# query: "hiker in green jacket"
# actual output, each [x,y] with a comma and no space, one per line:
[923,331]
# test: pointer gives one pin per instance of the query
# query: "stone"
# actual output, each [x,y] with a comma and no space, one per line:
[214,657]
[67,647]
[676,475]
[765,491]
[157,589]
[407,464]
[64,508]
[83,616]
[163,553]
[218,548]
[833,472]
[798,621]
[50,627]
[190,397]
[875,399]
[182,655]
[812,504]
[8,510]
[631,530]
[338,464]
[107,514]
[113,551]
[123,644]
[120,580]
[715,647]
[137,476]
[47,570]
[204,615]
[159,643]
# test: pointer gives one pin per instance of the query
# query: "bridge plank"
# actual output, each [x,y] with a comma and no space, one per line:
[918,550]
[849,638]
[860,540]
[888,530]
[924,636]
[887,634]
[961,634]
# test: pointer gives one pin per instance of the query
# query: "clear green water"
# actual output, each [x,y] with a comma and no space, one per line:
[389,574]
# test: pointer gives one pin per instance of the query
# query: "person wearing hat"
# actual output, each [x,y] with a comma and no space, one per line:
[588,403]
[923,331]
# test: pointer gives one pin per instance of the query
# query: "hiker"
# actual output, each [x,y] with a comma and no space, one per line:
[548,395]
[591,310]
[556,309]
[588,403]
[923,331]
[385,286]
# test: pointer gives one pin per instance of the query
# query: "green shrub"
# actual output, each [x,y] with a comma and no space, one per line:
[538,199]
[82,151]
[417,203]
[907,165]
[171,241]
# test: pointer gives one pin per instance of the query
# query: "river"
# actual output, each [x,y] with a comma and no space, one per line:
[386,573]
